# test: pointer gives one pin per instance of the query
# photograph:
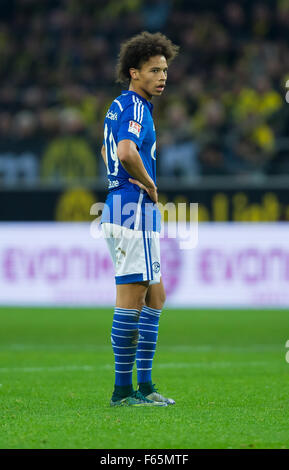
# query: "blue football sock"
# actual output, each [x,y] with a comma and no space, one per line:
[148,335]
[124,338]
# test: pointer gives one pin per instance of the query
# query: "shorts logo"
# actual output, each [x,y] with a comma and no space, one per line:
[134,127]
[156,267]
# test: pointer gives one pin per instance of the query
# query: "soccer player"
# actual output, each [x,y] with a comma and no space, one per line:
[131,219]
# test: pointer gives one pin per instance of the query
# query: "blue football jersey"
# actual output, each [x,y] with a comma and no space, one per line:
[130,117]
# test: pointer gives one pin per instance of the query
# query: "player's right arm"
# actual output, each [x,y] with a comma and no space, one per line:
[131,161]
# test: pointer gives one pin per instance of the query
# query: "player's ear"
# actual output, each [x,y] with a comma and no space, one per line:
[133,73]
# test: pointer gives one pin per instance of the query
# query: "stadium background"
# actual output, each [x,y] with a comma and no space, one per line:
[222,128]
[222,122]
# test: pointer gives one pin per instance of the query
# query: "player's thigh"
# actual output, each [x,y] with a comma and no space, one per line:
[156,295]
[131,295]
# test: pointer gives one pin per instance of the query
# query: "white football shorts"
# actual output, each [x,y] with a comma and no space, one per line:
[135,254]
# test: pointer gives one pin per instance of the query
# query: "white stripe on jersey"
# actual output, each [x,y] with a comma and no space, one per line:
[138,109]
[141,108]
[134,108]
[119,105]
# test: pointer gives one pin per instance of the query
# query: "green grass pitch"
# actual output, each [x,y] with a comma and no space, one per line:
[226,369]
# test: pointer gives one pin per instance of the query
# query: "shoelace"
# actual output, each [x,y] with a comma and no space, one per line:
[139,396]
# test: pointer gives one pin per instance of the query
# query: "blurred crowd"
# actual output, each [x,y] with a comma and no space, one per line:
[223,113]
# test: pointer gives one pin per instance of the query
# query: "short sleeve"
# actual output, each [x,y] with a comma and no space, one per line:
[133,124]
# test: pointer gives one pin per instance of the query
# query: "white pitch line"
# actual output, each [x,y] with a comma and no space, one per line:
[168,365]
[172,348]
[44,369]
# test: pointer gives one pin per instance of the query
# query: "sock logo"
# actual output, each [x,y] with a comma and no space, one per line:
[135,337]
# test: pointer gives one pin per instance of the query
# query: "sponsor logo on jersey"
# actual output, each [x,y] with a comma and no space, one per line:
[113,184]
[111,115]
[134,127]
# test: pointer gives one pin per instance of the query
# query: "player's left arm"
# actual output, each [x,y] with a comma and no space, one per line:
[103,154]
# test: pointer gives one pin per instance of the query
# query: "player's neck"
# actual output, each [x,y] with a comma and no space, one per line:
[140,92]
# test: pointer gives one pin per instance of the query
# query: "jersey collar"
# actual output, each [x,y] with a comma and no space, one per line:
[148,103]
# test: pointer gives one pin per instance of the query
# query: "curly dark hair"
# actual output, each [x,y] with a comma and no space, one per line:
[138,50]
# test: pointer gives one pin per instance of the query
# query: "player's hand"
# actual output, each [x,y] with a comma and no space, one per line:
[152,190]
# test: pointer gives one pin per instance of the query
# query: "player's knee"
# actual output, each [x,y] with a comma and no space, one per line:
[140,301]
[158,302]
